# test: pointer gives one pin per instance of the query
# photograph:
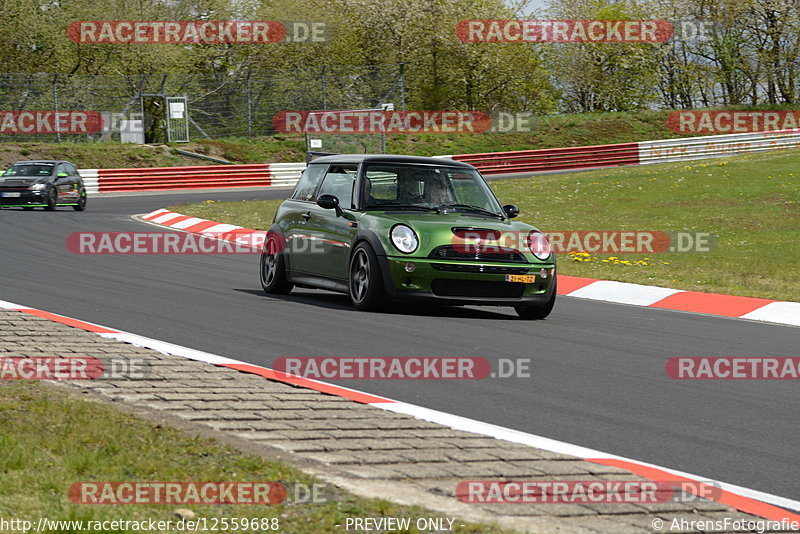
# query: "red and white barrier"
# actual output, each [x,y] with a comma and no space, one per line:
[659,151]
[191,177]
[553,159]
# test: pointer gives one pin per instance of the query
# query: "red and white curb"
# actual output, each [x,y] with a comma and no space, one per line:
[196,225]
[756,309]
[743,499]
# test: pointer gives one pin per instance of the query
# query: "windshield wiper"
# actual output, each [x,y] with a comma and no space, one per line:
[403,207]
[473,208]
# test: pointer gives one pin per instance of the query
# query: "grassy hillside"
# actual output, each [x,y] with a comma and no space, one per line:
[547,132]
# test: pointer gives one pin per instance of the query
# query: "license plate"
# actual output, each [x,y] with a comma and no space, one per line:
[11,195]
[524,278]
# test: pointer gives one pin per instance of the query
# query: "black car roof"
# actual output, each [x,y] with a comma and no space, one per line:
[35,161]
[389,158]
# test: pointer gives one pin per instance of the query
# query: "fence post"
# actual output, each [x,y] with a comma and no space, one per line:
[55,106]
[249,105]
[402,86]
[324,93]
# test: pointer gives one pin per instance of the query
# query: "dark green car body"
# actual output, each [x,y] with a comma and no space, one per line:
[317,244]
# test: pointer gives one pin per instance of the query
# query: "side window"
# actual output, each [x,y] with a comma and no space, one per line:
[339,181]
[62,167]
[380,187]
[307,185]
[71,169]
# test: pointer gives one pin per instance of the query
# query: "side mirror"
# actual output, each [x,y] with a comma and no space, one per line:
[511,210]
[330,202]
[62,175]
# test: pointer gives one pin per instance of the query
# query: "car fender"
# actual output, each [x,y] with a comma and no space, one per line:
[380,253]
[276,229]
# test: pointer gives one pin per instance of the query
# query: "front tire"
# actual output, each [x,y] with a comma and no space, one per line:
[52,199]
[365,281]
[272,267]
[538,311]
[81,201]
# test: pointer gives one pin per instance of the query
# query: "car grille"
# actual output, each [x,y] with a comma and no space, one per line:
[476,288]
[451,253]
[468,268]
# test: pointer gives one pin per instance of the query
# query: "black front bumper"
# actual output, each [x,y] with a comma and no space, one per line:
[26,197]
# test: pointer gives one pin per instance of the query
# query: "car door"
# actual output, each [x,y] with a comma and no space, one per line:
[296,212]
[64,183]
[329,234]
[77,181]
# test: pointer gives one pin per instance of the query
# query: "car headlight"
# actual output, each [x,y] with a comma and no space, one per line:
[404,238]
[37,187]
[539,245]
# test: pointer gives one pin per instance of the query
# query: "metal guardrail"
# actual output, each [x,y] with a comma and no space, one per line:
[191,177]
[550,159]
[659,151]
[716,146]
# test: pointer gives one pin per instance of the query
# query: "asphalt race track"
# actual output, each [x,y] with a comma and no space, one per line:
[598,377]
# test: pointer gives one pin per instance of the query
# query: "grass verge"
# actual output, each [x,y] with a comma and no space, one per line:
[51,439]
[751,204]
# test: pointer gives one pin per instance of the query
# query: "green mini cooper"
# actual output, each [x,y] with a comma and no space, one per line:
[382,228]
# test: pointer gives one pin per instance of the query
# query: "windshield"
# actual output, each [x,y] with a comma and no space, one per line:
[428,187]
[39,169]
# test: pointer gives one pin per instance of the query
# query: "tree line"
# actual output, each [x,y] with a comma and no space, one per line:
[724,52]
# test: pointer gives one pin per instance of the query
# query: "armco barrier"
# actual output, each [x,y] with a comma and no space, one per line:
[553,159]
[192,177]
[659,151]
[286,174]
[521,161]
[158,178]
[89,180]
[711,146]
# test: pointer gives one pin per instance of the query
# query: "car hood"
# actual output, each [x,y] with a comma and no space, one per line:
[436,229]
[19,181]
[423,220]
